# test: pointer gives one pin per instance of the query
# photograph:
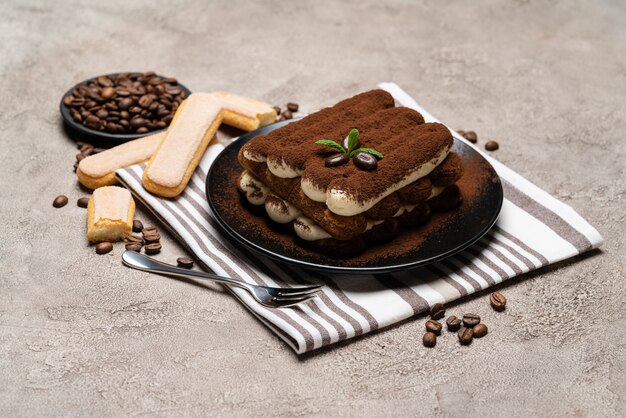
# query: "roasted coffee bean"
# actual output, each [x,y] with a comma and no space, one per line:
[67,100]
[287,114]
[148,229]
[152,249]
[137,226]
[107,92]
[112,127]
[60,201]
[134,238]
[471,320]
[125,104]
[336,160]
[466,335]
[293,107]
[276,108]
[433,326]
[365,161]
[145,101]
[497,301]
[124,114]
[104,247]
[437,311]
[480,330]
[82,202]
[184,262]
[138,122]
[104,81]
[453,323]
[150,238]
[122,92]
[429,339]
[461,132]
[134,246]
[86,149]
[470,136]
[80,156]
[102,114]
[492,146]
[142,130]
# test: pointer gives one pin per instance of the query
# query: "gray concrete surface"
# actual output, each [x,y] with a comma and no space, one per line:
[81,335]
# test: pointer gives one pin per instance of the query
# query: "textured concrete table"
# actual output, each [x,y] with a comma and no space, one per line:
[82,335]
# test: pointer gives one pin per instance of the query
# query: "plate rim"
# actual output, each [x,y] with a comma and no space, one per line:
[82,129]
[333,268]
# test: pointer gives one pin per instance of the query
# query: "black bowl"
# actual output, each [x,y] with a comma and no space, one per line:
[78,129]
[444,235]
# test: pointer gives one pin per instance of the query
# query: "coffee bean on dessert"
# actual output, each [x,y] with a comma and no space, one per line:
[470,136]
[336,160]
[287,114]
[137,226]
[437,311]
[480,330]
[60,201]
[277,109]
[453,323]
[82,202]
[293,107]
[433,326]
[184,262]
[466,335]
[471,320]
[152,249]
[104,247]
[365,161]
[497,301]
[134,246]
[429,339]
[492,146]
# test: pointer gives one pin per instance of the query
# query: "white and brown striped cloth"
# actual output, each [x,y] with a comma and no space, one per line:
[534,229]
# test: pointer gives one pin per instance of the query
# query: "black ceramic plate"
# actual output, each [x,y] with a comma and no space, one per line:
[444,235]
[80,129]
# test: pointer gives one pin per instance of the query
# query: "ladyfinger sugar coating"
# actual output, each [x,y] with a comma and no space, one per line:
[110,214]
[245,113]
[188,136]
[98,170]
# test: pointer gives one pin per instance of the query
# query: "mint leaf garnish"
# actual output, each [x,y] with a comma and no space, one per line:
[353,138]
[368,151]
[332,144]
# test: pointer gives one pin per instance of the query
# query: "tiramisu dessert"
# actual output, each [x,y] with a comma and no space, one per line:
[352,174]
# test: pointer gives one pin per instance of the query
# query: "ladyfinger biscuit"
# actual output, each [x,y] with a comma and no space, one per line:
[245,113]
[186,139]
[98,170]
[110,214]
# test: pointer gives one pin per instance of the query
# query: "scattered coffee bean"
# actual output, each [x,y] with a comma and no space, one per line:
[151,238]
[466,335]
[80,156]
[470,136]
[287,114]
[461,132]
[293,107]
[471,320]
[82,202]
[365,161]
[60,201]
[152,249]
[277,109]
[137,226]
[133,246]
[429,339]
[492,146]
[433,326]
[437,311]
[498,301]
[184,262]
[148,229]
[107,102]
[480,330]
[453,323]
[104,247]
[336,160]
[134,238]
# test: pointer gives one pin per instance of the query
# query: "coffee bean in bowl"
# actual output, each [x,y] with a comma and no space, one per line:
[123,106]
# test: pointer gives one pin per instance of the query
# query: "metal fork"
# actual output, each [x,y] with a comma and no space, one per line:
[273,297]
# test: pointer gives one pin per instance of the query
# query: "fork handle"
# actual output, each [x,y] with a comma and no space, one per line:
[142,262]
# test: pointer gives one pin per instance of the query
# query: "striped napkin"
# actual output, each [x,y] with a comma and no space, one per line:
[534,229]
